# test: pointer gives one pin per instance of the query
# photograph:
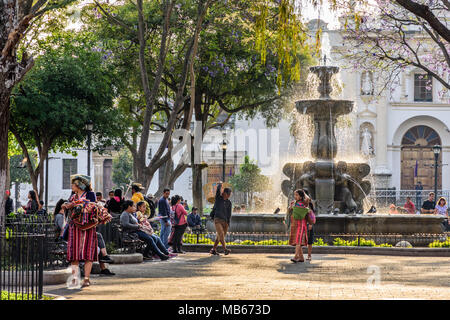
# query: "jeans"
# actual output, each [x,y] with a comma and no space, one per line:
[165,232]
[101,242]
[153,243]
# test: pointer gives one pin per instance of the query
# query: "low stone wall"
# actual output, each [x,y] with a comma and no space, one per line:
[418,252]
[379,224]
[127,258]
[253,223]
[50,277]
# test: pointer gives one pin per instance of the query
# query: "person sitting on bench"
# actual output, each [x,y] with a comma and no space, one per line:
[194,221]
[130,224]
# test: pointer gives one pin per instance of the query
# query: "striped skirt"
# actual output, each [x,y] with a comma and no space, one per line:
[298,232]
[81,245]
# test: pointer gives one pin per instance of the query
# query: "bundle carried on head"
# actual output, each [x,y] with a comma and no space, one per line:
[82,181]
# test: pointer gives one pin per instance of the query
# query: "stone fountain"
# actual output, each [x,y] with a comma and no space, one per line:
[331,184]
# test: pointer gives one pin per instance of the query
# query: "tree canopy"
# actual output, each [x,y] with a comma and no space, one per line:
[69,85]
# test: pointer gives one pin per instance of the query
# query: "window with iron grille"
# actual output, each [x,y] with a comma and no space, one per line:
[69,168]
[423,87]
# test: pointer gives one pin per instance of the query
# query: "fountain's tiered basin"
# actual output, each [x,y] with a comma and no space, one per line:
[338,224]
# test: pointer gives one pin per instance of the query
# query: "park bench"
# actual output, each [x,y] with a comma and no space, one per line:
[129,245]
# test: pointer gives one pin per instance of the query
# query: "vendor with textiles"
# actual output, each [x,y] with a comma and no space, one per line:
[82,243]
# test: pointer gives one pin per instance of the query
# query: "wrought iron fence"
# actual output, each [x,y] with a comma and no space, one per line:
[54,252]
[386,197]
[21,266]
[416,240]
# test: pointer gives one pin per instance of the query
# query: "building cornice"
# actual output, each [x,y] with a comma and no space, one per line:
[419,105]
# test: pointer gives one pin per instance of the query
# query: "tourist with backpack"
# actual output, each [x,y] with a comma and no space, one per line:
[179,223]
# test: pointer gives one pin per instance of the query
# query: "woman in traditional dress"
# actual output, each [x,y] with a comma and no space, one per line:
[298,236]
[81,244]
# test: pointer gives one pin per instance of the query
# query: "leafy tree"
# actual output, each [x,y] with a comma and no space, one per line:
[69,85]
[401,35]
[122,170]
[226,77]
[16,19]
[250,180]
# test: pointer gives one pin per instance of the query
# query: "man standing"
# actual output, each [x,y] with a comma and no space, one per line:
[164,212]
[9,205]
[429,205]
[221,213]
[419,189]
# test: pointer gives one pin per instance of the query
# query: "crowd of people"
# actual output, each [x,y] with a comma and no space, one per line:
[138,220]
[429,206]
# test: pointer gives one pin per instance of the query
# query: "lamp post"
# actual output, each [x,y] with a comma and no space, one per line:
[436,150]
[89,127]
[224,153]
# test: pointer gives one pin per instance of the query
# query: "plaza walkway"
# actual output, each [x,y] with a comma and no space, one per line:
[272,276]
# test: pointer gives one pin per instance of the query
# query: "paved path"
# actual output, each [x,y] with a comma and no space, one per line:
[272,276]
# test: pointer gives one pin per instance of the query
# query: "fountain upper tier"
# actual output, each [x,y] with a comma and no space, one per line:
[324,106]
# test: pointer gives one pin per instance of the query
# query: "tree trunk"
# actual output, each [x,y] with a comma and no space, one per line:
[197,192]
[4,127]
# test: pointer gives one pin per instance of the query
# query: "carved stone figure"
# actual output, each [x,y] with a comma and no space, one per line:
[366,143]
[367,83]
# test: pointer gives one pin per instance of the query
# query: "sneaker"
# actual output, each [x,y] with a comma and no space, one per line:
[227,251]
[164,257]
[148,257]
[107,272]
[106,259]
[172,255]
[214,252]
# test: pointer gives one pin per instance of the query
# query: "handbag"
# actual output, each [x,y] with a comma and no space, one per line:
[299,213]
[311,217]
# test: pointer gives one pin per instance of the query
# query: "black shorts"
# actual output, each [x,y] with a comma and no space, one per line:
[311,235]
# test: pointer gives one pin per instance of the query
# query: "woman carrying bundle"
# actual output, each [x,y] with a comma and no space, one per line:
[298,237]
[82,242]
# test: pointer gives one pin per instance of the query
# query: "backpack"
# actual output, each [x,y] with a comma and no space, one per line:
[173,216]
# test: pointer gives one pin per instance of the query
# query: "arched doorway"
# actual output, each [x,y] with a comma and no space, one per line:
[417,160]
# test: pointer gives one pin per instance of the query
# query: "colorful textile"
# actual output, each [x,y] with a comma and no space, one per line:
[81,244]
[298,232]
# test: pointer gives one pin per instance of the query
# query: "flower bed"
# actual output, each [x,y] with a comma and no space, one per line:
[440,244]
[20,296]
